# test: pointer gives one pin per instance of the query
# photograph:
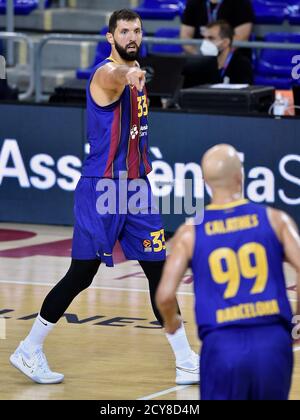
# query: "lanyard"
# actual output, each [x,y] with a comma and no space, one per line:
[226,64]
[213,14]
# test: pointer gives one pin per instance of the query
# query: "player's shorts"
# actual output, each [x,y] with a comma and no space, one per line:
[133,219]
[254,363]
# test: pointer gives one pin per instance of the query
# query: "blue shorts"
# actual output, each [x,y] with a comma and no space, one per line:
[247,364]
[133,219]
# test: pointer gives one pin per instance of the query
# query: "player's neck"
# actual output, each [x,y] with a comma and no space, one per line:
[223,57]
[115,57]
[226,197]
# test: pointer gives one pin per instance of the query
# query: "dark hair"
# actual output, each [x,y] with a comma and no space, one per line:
[123,14]
[226,30]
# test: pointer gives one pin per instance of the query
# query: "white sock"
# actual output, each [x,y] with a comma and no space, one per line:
[180,346]
[39,331]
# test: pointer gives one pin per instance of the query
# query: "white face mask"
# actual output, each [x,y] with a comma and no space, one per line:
[209,48]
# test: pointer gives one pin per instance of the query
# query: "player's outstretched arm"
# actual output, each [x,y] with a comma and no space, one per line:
[113,77]
[173,272]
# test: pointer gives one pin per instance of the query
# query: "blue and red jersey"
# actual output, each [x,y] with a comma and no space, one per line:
[118,135]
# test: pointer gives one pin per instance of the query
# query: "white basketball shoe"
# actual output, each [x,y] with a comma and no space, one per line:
[34,366]
[189,372]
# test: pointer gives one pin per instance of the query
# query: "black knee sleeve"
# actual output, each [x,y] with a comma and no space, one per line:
[78,278]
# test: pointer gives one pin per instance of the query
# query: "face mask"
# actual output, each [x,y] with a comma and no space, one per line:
[209,48]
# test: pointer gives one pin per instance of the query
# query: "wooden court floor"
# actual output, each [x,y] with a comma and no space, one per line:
[107,344]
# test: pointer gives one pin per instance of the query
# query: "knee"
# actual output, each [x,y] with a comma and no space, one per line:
[85,282]
[82,273]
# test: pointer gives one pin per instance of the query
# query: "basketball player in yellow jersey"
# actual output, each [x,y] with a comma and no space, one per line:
[243,314]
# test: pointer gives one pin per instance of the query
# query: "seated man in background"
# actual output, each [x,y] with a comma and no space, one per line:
[199,13]
[219,62]
[233,66]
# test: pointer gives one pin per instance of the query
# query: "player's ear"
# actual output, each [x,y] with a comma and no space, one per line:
[110,38]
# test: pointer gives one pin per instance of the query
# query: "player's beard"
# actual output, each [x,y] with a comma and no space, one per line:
[125,54]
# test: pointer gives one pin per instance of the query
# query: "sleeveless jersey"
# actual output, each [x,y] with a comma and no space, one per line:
[118,135]
[238,269]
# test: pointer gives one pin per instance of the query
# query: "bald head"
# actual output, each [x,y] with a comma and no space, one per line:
[222,168]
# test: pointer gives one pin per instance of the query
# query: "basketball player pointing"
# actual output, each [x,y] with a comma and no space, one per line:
[117,110]
[242,309]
